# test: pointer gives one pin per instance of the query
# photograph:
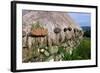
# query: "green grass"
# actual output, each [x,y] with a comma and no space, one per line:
[82,52]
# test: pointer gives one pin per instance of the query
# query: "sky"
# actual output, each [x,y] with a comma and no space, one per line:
[83,19]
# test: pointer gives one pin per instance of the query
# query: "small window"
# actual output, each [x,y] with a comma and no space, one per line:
[57,30]
[65,29]
[69,28]
[74,30]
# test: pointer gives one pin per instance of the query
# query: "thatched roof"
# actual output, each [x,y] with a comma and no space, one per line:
[58,29]
[49,19]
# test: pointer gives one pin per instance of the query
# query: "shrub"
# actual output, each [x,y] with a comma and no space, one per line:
[82,52]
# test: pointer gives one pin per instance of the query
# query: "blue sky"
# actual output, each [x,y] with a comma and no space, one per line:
[83,19]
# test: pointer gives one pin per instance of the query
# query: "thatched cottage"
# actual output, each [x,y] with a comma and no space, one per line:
[49,28]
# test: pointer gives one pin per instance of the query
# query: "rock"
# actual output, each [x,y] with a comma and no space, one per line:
[46,48]
[64,45]
[49,58]
[57,58]
[42,50]
[53,49]
[46,53]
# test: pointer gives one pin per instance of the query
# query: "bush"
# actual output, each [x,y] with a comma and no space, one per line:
[87,33]
[82,52]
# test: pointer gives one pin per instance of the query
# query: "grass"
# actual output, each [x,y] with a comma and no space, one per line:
[82,52]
